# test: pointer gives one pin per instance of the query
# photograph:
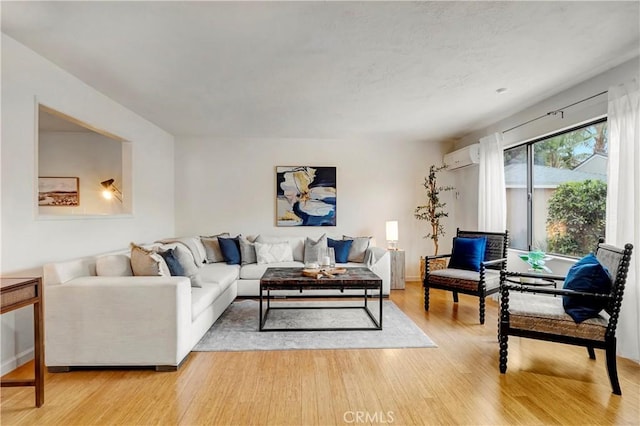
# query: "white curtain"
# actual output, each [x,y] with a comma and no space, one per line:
[623,204]
[492,197]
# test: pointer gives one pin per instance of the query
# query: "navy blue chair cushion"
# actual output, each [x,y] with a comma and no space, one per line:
[230,248]
[174,265]
[468,253]
[587,275]
[341,249]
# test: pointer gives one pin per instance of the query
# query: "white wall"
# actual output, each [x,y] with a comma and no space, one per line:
[229,185]
[27,242]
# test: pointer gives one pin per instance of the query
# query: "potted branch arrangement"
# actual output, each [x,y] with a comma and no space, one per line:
[432,212]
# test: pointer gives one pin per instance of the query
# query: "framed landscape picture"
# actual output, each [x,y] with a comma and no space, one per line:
[59,191]
[305,196]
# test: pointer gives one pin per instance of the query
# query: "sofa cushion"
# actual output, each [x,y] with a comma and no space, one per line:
[296,243]
[147,262]
[212,247]
[313,249]
[230,250]
[255,270]
[193,244]
[203,297]
[358,248]
[247,251]
[220,273]
[341,249]
[273,252]
[114,265]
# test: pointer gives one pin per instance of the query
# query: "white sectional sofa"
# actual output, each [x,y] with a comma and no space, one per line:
[97,313]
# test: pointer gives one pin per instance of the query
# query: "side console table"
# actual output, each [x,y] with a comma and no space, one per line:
[397,269]
[17,293]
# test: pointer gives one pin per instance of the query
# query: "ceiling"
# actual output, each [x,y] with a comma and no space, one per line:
[380,70]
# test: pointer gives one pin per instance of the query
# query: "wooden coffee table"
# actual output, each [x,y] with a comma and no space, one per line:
[276,279]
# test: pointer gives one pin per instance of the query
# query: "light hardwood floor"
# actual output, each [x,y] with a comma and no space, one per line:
[456,383]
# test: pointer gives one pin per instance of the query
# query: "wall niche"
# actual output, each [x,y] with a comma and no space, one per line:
[82,171]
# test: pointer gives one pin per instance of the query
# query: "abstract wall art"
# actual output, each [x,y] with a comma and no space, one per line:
[305,196]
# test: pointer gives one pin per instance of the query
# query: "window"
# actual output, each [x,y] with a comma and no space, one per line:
[557,189]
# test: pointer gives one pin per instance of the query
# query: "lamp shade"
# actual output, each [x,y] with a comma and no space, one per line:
[392,230]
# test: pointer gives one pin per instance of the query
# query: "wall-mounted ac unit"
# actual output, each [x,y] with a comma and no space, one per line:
[463,157]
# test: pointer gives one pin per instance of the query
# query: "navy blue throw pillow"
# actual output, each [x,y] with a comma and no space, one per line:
[341,249]
[230,248]
[468,253]
[175,267]
[587,275]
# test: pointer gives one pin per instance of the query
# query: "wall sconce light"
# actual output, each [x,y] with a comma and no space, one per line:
[392,234]
[110,190]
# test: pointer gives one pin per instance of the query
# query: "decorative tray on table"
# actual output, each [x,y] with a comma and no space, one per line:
[318,273]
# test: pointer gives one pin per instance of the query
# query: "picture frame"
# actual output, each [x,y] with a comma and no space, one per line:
[55,191]
[306,196]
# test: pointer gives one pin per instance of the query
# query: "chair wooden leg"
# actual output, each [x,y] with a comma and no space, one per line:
[455,297]
[482,308]
[426,298]
[592,353]
[503,350]
[612,368]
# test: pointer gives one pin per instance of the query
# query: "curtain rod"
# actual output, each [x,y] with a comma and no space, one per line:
[555,112]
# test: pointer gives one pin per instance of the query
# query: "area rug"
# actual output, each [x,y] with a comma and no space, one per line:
[237,329]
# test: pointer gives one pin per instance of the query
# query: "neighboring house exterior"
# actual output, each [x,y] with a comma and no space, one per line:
[545,181]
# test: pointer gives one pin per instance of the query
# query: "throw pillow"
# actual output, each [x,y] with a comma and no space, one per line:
[114,265]
[212,247]
[247,251]
[147,262]
[467,253]
[180,263]
[341,249]
[184,256]
[587,275]
[313,248]
[175,268]
[358,248]
[230,248]
[272,253]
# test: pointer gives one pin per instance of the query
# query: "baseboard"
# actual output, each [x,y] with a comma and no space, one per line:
[16,361]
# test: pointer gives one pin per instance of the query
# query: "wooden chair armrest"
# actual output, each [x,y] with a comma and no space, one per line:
[493,262]
[440,256]
[554,291]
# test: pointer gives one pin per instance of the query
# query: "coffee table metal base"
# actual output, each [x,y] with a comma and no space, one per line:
[361,279]
[266,301]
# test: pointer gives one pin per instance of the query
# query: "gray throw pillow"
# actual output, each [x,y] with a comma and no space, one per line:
[212,247]
[183,254]
[314,248]
[358,248]
[247,251]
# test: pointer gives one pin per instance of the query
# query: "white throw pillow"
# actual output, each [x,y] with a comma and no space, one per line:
[273,253]
[113,265]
